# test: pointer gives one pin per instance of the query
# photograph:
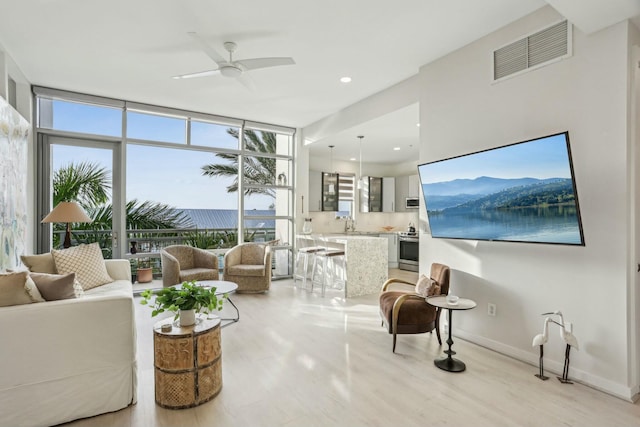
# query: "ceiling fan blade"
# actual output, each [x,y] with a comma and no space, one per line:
[199,74]
[211,52]
[246,81]
[255,63]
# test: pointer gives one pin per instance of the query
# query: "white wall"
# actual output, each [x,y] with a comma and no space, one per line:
[586,94]
[9,69]
[634,179]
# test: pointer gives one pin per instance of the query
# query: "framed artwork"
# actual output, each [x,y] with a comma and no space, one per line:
[14,138]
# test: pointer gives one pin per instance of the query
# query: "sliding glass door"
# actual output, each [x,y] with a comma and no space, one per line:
[83,171]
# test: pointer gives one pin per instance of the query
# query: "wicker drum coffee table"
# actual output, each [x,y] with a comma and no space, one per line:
[188,365]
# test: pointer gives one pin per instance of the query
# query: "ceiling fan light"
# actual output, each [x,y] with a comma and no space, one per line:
[230,71]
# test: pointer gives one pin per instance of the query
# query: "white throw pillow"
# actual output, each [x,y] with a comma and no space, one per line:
[32,290]
[427,287]
[84,260]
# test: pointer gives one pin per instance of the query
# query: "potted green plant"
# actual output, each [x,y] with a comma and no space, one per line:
[185,301]
[144,273]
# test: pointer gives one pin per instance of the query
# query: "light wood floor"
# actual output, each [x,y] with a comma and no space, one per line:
[296,359]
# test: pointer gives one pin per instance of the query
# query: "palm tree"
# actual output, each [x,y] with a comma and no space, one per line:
[85,182]
[257,170]
[90,185]
[140,215]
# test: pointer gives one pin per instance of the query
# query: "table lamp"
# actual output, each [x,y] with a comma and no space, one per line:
[67,212]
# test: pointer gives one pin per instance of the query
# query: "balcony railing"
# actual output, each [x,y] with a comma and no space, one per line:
[149,242]
[152,240]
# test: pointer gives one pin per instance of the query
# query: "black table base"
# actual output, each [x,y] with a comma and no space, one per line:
[448,363]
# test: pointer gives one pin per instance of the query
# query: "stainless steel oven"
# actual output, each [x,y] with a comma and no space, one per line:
[408,248]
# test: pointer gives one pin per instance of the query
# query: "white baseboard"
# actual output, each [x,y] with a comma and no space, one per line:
[621,391]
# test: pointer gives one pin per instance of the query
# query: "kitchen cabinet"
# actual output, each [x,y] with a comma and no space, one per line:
[393,248]
[406,186]
[330,191]
[323,191]
[402,187]
[414,186]
[388,194]
[371,194]
[315,191]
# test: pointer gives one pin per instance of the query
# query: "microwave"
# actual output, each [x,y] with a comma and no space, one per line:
[412,203]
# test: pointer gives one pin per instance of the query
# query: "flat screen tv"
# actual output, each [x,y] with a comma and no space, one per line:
[522,192]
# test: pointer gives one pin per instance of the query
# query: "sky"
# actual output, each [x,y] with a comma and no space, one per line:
[170,176]
[541,158]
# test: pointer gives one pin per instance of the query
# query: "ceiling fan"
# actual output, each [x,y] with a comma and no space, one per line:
[232,68]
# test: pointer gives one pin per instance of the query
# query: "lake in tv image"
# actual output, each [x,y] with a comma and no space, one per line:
[523,192]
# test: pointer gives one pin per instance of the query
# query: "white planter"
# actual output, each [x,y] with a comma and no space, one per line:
[187,318]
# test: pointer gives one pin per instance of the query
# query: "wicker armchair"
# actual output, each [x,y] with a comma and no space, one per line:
[184,263]
[249,265]
[405,312]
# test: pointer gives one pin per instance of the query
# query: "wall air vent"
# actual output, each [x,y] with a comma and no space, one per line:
[545,46]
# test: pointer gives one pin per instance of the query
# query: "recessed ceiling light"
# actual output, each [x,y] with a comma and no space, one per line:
[345,79]
[418,124]
[353,159]
[396,148]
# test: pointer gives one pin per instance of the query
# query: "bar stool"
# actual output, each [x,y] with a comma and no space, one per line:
[329,257]
[306,249]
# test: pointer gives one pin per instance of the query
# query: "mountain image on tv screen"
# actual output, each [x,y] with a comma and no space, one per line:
[523,192]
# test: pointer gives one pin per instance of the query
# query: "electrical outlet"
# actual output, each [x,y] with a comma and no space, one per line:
[491,309]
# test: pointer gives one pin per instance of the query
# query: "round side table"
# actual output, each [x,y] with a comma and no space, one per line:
[223,287]
[187,361]
[448,363]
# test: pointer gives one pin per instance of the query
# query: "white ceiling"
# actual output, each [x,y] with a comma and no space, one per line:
[398,129]
[130,49]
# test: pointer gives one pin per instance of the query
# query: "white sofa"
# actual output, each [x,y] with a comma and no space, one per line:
[69,359]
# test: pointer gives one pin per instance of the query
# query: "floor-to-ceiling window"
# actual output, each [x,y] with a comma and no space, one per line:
[268,190]
[178,176]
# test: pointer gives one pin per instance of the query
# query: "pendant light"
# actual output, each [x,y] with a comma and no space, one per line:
[332,188]
[360,184]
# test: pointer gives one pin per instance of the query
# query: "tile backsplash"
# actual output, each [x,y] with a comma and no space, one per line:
[325,222]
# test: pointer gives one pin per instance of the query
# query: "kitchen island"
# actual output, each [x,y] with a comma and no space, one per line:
[366,261]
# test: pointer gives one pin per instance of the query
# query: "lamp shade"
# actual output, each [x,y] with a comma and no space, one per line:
[67,212]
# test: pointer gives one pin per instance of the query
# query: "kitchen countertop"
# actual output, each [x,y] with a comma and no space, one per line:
[365,233]
[352,236]
[366,259]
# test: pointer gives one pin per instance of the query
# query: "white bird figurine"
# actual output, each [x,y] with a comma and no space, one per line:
[541,340]
[566,332]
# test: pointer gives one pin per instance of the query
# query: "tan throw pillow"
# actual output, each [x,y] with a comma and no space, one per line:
[427,287]
[42,263]
[33,291]
[54,287]
[84,260]
[12,290]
